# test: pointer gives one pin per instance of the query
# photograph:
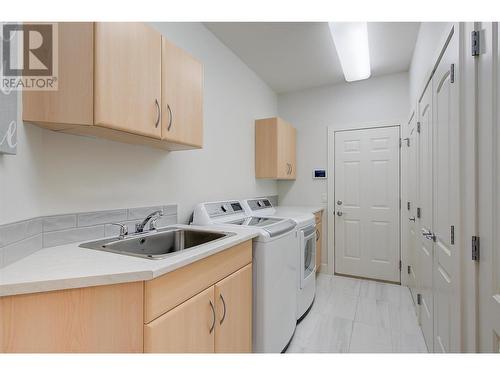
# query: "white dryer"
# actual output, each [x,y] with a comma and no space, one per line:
[305,245]
[274,271]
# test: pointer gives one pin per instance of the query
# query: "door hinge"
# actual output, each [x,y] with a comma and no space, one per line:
[452,235]
[418,127]
[475,39]
[452,73]
[475,248]
[400,265]
[419,299]
[400,142]
[409,270]
[418,212]
[408,205]
[400,203]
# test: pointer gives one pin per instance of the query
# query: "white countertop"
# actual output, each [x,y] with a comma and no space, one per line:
[69,266]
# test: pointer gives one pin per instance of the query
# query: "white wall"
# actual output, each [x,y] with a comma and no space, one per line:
[376,100]
[57,173]
[430,39]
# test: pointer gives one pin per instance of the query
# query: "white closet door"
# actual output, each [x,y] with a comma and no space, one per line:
[424,222]
[410,207]
[446,201]
[367,203]
[489,190]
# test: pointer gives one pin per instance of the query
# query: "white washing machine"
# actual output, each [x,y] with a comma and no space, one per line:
[274,271]
[305,245]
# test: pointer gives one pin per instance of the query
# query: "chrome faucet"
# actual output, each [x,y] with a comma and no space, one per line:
[139,227]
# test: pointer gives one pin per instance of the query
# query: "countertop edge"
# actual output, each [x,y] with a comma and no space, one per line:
[39,286]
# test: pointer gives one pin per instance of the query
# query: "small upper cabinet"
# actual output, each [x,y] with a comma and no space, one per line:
[275,142]
[127,93]
[125,82]
[182,96]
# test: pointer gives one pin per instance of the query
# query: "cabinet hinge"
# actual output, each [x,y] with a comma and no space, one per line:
[452,73]
[400,265]
[418,212]
[452,235]
[475,39]
[419,299]
[408,205]
[409,270]
[475,248]
[418,127]
[400,142]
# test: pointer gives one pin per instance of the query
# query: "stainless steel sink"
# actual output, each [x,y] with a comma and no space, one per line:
[158,244]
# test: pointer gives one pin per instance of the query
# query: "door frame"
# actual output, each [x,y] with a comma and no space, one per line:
[330,266]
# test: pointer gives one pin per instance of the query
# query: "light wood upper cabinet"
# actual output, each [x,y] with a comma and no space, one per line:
[233,297]
[275,155]
[182,96]
[188,328]
[128,78]
[124,82]
[72,103]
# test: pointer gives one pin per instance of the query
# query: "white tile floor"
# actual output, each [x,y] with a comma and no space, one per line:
[351,315]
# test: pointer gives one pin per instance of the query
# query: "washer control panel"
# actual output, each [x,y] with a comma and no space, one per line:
[224,208]
[259,204]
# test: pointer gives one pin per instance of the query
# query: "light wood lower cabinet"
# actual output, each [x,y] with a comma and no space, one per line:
[219,320]
[188,328]
[103,319]
[205,306]
[233,297]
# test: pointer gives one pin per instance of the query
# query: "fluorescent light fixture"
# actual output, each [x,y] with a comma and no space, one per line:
[351,42]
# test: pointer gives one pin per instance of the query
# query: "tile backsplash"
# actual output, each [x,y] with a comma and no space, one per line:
[20,239]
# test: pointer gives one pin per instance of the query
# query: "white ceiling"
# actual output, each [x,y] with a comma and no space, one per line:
[299,55]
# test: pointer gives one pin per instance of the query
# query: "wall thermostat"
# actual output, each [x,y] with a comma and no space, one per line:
[319,174]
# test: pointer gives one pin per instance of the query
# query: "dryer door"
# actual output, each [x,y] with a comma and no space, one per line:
[307,255]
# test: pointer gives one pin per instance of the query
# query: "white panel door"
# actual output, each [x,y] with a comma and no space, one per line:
[367,203]
[489,190]
[410,206]
[424,217]
[446,201]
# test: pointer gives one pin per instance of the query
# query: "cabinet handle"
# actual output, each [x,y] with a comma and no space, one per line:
[169,118]
[224,305]
[213,315]
[158,113]
[291,168]
[317,235]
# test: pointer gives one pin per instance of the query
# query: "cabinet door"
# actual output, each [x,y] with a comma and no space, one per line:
[233,297]
[182,96]
[318,246]
[128,78]
[72,102]
[286,151]
[188,328]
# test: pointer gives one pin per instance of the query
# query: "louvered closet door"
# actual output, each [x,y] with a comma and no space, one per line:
[367,203]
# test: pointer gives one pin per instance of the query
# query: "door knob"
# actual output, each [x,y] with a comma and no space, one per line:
[339,213]
[339,202]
